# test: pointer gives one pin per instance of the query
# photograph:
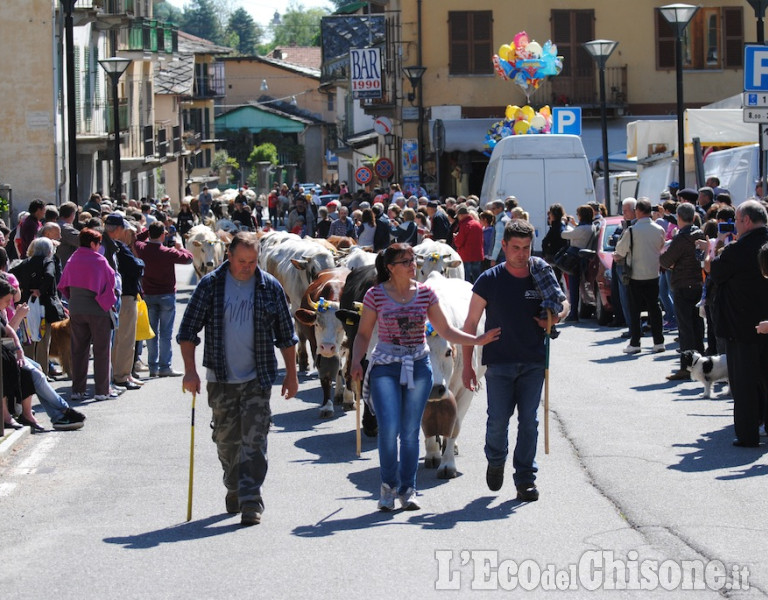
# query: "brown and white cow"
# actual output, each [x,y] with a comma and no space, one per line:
[295,263]
[318,311]
[448,391]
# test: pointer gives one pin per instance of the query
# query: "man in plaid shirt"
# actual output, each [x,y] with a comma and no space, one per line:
[245,312]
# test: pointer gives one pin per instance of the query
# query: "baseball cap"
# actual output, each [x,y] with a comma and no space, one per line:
[432,204]
[115,219]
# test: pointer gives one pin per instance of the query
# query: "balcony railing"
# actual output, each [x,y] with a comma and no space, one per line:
[581,89]
[111,7]
[95,118]
[122,112]
[208,86]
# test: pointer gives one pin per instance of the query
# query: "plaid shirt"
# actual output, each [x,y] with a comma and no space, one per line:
[272,323]
[544,278]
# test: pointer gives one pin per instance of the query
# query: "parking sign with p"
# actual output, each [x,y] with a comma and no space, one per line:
[566,120]
[755,68]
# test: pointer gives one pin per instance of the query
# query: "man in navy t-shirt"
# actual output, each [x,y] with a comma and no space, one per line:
[514,295]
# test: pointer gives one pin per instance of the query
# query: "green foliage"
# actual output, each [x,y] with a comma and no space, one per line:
[221,159]
[339,3]
[264,152]
[299,26]
[248,32]
[4,206]
[201,18]
[167,12]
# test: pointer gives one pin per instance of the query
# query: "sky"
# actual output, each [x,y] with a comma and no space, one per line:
[263,10]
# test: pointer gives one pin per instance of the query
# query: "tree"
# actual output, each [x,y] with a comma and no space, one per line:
[201,19]
[299,26]
[248,32]
[167,11]
[340,3]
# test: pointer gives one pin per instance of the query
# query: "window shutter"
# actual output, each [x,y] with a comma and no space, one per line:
[733,37]
[665,42]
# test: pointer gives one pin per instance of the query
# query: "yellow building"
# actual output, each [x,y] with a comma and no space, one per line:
[455,42]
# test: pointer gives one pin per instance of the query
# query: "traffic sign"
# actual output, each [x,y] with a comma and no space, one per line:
[756,115]
[363,176]
[755,99]
[384,168]
[755,68]
[566,120]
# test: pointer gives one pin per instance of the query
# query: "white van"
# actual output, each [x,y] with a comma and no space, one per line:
[620,185]
[737,168]
[539,170]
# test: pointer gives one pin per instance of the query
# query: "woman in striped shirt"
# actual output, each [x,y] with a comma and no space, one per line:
[399,377]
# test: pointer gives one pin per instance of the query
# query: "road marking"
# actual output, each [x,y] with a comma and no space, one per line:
[38,455]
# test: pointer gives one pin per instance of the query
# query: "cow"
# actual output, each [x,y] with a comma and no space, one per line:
[358,282]
[437,256]
[318,311]
[206,248]
[357,257]
[295,263]
[447,389]
[342,242]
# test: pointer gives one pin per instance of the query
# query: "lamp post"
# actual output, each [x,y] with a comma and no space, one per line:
[69,27]
[678,16]
[115,67]
[760,6]
[601,51]
[414,75]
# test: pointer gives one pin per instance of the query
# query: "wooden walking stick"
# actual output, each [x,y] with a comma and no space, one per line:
[546,384]
[191,459]
[358,439]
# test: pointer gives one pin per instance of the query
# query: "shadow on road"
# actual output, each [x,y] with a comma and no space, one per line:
[194,530]
[713,451]
[476,511]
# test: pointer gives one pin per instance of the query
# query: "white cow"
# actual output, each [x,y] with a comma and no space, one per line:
[206,248]
[357,257]
[295,263]
[447,364]
[434,256]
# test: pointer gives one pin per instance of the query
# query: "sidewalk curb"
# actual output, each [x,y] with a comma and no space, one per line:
[11,441]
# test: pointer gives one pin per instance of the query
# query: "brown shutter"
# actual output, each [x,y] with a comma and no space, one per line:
[733,37]
[665,42]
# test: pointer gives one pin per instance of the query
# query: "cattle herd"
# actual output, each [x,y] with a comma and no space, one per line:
[325,282]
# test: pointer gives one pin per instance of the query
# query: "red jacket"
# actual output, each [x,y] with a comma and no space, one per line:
[469,240]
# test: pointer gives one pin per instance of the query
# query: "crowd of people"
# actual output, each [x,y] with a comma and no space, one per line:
[690,263]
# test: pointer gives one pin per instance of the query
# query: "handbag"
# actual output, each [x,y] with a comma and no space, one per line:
[35,318]
[143,328]
[567,259]
[626,266]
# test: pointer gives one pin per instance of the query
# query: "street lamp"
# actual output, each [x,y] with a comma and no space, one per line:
[601,50]
[69,27]
[679,15]
[115,67]
[414,75]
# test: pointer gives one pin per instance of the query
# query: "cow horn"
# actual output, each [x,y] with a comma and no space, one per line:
[314,305]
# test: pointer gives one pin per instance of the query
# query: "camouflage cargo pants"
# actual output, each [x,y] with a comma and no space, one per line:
[241,418]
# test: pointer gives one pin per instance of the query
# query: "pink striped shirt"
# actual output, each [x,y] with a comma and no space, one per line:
[401,323]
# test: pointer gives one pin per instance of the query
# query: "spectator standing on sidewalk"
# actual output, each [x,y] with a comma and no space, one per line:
[159,285]
[684,266]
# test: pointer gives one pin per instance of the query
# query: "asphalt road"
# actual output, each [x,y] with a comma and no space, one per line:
[640,472]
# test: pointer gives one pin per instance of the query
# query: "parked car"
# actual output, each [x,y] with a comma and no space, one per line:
[595,286]
[326,198]
[308,187]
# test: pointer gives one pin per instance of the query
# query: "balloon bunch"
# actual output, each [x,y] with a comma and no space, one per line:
[527,63]
[518,121]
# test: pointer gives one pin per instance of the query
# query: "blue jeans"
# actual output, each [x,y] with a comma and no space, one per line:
[472,271]
[666,296]
[509,386]
[55,406]
[399,411]
[162,312]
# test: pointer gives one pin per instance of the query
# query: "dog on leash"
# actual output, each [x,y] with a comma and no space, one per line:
[61,346]
[705,369]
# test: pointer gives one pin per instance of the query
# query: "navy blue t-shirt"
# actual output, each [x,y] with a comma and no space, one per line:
[511,303]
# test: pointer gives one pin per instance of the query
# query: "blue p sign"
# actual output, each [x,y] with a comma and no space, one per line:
[566,120]
[755,68]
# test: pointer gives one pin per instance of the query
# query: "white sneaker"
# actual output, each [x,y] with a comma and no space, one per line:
[140,367]
[387,499]
[408,500]
[630,349]
[658,348]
